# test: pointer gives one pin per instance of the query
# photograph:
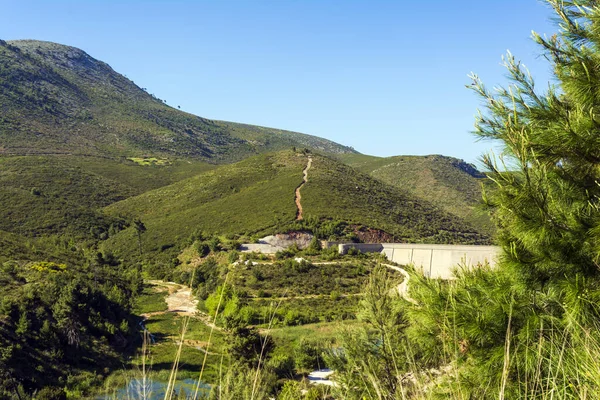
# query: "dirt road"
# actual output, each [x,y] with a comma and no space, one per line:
[402,287]
[298,196]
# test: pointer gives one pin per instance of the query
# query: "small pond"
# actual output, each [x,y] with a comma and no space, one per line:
[154,390]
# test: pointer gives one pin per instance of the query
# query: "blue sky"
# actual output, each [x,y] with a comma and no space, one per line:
[386,77]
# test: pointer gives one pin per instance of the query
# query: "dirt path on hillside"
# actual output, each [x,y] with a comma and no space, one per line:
[298,196]
[403,286]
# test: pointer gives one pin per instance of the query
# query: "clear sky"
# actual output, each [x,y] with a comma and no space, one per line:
[386,77]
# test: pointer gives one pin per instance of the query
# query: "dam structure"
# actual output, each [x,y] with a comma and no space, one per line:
[435,260]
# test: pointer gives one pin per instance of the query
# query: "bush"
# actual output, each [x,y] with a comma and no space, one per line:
[308,355]
[282,363]
[233,256]
[214,244]
[202,248]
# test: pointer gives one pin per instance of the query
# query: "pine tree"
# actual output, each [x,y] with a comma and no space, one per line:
[548,175]
[140,228]
[530,327]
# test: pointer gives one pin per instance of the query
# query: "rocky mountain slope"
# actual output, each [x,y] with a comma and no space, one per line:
[57,99]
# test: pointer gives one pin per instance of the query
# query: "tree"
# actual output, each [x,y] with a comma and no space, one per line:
[372,356]
[547,196]
[513,326]
[247,346]
[139,228]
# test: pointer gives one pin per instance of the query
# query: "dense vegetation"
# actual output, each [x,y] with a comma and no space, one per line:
[62,327]
[255,197]
[103,185]
[43,195]
[529,328]
[338,191]
[449,183]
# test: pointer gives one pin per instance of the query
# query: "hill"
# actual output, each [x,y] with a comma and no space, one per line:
[449,183]
[57,99]
[48,195]
[256,197]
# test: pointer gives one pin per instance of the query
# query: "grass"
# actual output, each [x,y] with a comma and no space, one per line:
[165,329]
[45,195]
[337,191]
[152,299]
[290,279]
[285,338]
[20,248]
[143,161]
[248,196]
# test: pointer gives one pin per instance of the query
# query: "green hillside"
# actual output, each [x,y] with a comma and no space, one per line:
[256,196]
[56,99]
[45,195]
[249,196]
[449,183]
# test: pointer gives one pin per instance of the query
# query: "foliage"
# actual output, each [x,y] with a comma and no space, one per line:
[251,197]
[338,192]
[56,320]
[527,328]
[62,195]
[245,345]
[369,358]
[546,208]
[289,278]
[242,383]
[308,355]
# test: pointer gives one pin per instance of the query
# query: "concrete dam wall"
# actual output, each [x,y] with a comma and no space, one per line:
[436,260]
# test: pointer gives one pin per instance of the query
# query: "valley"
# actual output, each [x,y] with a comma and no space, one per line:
[149,253]
[134,214]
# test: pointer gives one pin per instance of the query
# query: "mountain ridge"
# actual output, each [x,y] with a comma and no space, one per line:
[58,99]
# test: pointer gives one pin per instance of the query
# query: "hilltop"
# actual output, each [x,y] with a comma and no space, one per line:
[449,183]
[57,99]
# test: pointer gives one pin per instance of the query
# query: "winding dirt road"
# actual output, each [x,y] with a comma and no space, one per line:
[298,196]
[403,286]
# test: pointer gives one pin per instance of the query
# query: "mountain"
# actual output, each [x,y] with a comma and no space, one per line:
[101,182]
[451,184]
[57,99]
[256,197]
[84,151]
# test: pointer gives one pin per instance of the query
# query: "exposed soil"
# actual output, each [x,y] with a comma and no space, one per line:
[179,301]
[302,239]
[370,235]
[403,286]
[298,196]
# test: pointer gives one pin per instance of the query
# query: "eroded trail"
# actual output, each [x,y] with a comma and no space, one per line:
[179,300]
[402,287]
[298,196]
